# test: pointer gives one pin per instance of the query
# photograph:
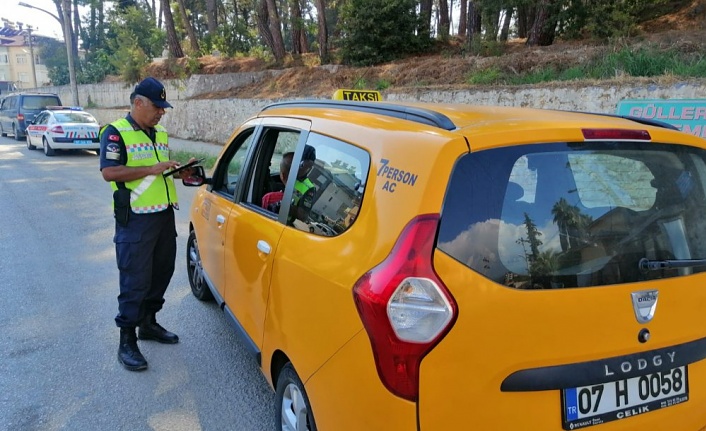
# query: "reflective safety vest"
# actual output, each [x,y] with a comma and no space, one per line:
[301,187]
[152,193]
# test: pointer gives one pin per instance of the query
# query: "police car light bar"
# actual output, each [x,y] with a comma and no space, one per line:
[61,108]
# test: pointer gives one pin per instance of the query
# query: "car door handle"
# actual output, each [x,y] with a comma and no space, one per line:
[220,219]
[264,247]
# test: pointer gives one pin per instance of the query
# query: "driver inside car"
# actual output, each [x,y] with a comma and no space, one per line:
[304,189]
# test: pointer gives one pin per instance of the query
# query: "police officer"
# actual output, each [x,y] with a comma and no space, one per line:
[134,156]
[303,187]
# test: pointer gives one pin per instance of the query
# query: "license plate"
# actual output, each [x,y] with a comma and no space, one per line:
[83,141]
[596,404]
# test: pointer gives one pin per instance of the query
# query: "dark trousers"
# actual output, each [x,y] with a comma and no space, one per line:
[145,250]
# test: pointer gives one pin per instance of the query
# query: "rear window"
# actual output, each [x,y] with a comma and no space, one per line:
[74,117]
[39,102]
[553,216]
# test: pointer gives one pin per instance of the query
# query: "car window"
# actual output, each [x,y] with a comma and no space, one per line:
[74,117]
[267,182]
[42,118]
[339,176]
[39,102]
[230,167]
[570,215]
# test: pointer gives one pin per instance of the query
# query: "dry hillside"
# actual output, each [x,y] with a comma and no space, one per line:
[448,69]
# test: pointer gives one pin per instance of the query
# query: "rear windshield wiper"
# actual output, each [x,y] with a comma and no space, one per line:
[655,265]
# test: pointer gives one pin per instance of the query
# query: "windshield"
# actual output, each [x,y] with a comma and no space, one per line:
[576,215]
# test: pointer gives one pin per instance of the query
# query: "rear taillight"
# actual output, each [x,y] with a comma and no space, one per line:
[21,117]
[57,129]
[616,135]
[405,308]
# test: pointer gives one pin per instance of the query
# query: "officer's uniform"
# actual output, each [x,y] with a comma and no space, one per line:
[146,246]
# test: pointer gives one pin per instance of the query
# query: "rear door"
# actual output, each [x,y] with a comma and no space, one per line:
[578,273]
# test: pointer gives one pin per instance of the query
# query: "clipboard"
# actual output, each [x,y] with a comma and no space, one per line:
[180,168]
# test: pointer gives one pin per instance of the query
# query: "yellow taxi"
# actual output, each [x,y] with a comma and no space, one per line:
[440,267]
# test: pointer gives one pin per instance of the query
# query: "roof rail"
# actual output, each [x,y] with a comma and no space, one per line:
[645,121]
[411,113]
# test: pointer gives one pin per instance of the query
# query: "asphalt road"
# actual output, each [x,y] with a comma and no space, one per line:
[58,340]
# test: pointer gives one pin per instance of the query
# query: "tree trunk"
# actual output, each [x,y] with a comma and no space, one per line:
[491,18]
[471,25]
[299,42]
[525,19]
[175,50]
[160,15]
[211,16]
[193,42]
[425,18]
[543,29]
[275,25]
[444,23]
[101,24]
[477,20]
[76,31]
[323,31]
[505,31]
[462,19]
[263,25]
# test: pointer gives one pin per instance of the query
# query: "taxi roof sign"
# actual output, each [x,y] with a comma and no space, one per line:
[357,95]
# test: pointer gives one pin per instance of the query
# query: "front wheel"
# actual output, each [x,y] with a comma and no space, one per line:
[194,269]
[293,408]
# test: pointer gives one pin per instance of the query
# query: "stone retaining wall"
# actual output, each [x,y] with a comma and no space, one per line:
[214,120]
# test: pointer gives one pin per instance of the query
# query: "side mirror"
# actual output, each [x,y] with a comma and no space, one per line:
[197,177]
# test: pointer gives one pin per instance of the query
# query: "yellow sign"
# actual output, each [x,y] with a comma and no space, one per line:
[358,95]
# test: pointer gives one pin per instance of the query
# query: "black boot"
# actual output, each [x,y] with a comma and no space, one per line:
[151,330]
[128,353]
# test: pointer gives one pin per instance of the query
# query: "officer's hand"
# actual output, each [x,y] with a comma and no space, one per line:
[163,166]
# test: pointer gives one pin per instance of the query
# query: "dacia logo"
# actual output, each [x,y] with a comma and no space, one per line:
[645,304]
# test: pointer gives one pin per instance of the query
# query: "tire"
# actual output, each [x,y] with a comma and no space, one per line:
[48,150]
[293,408]
[194,268]
[98,152]
[29,144]
[18,137]
[3,133]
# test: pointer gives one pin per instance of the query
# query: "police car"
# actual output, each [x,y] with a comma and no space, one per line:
[63,128]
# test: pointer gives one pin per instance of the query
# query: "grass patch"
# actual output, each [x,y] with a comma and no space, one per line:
[184,156]
[486,76]
[642,62]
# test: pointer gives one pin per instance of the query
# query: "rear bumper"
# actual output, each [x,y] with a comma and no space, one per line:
[347,394]
[70,144]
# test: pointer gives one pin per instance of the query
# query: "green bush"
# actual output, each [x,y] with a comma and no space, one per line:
[375,31]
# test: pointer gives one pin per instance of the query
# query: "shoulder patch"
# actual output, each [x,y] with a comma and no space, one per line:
[112,151]
[114,138]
